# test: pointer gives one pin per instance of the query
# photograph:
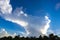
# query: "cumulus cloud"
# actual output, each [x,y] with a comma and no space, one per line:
[38,26]
[46,26]
[57,6]
[5,6]
[4,33]
[33,25]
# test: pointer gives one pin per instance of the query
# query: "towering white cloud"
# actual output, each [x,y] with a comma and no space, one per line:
[33,25]
[38,25]
[45,28]
[5,6]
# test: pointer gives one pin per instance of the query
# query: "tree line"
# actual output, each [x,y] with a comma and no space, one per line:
[50,37]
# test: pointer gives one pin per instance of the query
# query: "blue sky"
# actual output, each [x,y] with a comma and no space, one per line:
[23,16]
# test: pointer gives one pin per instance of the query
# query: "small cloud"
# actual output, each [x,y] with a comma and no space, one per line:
[4,33]
[25,15]
[57,7]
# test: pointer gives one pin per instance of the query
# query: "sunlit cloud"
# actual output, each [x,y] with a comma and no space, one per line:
[5,6]
[22,23]
[33,25]
[4,33]
[44,29]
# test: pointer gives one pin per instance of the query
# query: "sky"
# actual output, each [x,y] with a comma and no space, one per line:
[29,17]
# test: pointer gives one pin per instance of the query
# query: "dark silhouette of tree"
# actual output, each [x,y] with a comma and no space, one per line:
[17,37]
[40,37]
[45,38]
[50,37]
[9,38]
[56,37]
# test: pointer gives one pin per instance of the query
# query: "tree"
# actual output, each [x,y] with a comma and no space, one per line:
[51,36]
[40,37]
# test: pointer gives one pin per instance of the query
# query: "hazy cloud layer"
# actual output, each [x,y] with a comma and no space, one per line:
[33,25]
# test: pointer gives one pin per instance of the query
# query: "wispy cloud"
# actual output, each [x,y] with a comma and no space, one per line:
[57,7]
[33,25]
